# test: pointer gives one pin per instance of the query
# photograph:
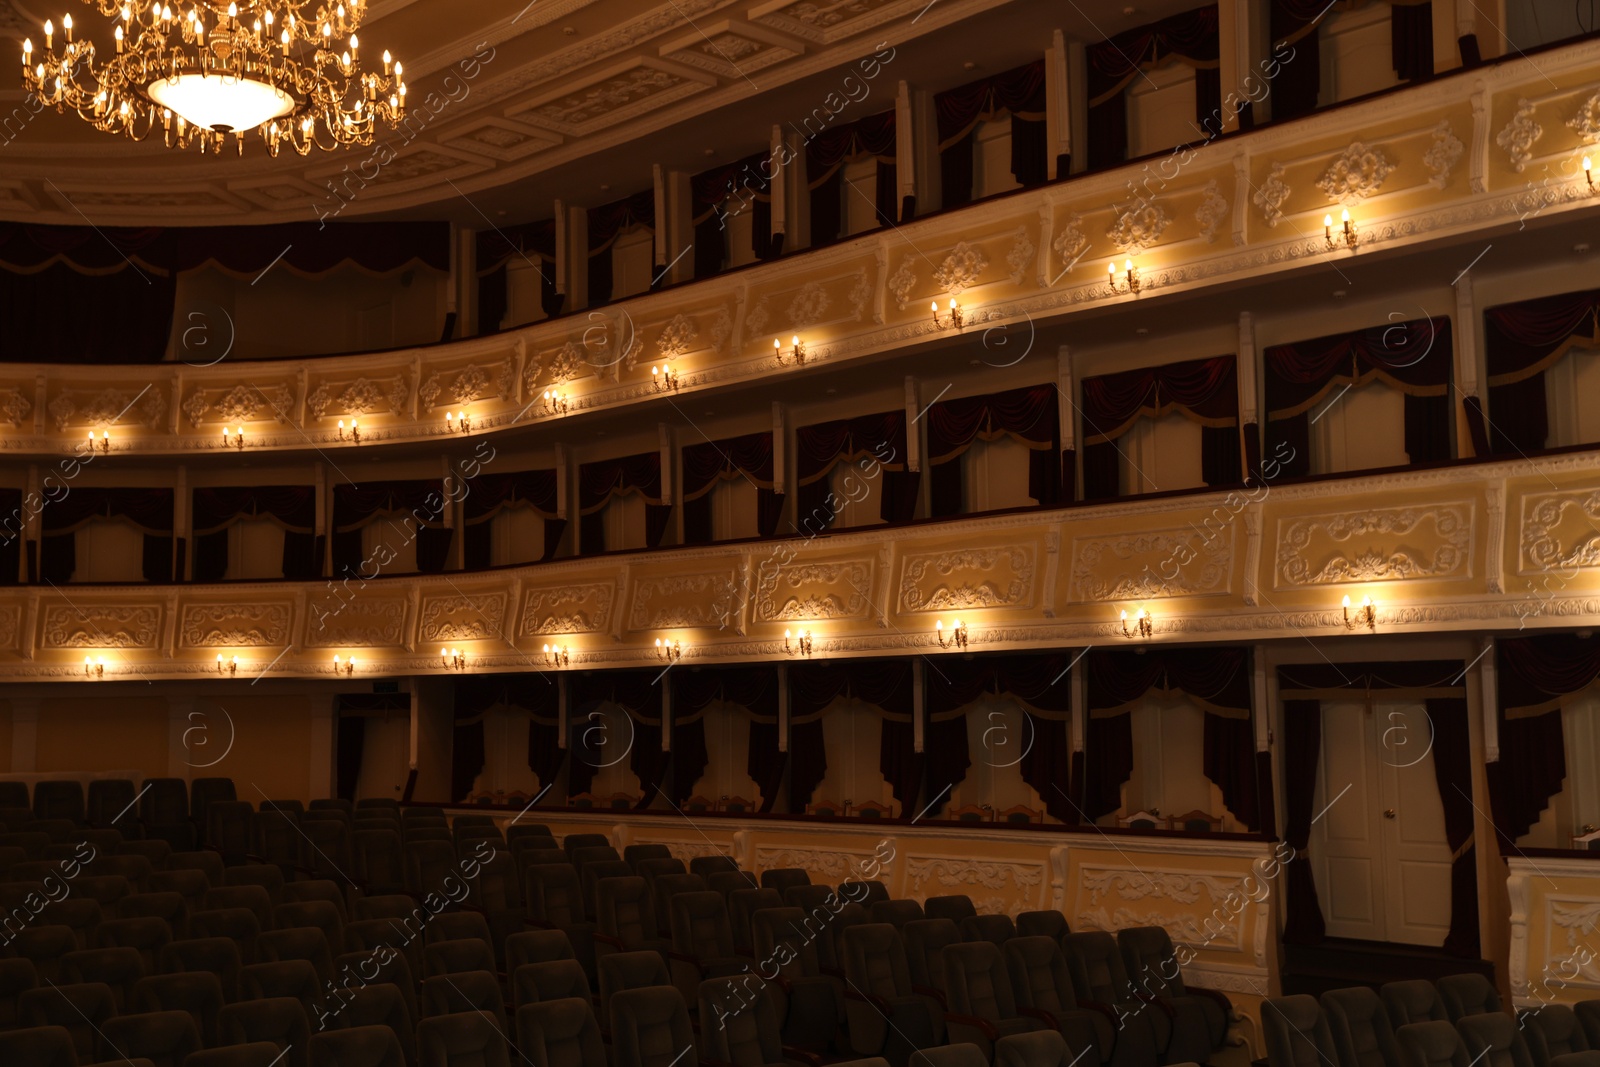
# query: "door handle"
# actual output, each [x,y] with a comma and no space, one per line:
[1388,813]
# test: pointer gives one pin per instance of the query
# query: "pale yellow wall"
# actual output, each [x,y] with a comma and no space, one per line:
[84,732]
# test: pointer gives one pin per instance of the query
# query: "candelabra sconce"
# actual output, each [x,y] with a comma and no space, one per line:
[1366,615]
[555,655]
[664,378]
[453,659]
[354,434]
[957,637]
[797,644]
[1142,626]
[461,423]
[555,402]
[94,667]
[233,440]
[797,350]
[229,667]
[1588,174]
[952,321]
[1128,283]
[346,668]
[103,444]
[669,649]
[1347,235]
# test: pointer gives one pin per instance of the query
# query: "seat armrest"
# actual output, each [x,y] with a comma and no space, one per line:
[1101,1007]
[1216,995]
[614,942]
[929,991]
[682,957]
[1164,1003]
[793,1053]
[1040,1014]
[983,1026]
[868,998]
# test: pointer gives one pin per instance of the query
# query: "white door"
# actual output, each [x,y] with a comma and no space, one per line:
[1379,855]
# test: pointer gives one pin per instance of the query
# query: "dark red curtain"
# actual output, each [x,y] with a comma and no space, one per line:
[878,441]
[422,501]
[537,693]
[1534,673]
[602,481]
[1294,27]
[1302,752]
[608,222]
[490,494]
[532,243]
[1452,770]
[11,538]
[752,688]
[1116,61]
[885,684]
[705,464]
[1219,678]
[723,192]
[826,154]
[1019,92]
[1042,682]
[56,314]
[214,510]
[639,693]
[148,510]
[1521,342]
[1029,414]
[1411,42]
[474,696]
[1203,390]
[349,746]
[1414,357]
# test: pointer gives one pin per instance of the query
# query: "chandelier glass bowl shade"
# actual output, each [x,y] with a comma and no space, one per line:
[204,72]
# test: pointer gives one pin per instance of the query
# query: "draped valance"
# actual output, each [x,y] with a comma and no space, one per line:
[704,465]
[1521,342]
[756,690]
[292,507]
[723,192]
[533,240]
[148,510]
[1204,391]
[610,221]
[1217,679]
[490,494]
[1190,37]
[1350,681]
[1536,676]
[1029,416]
[824,445]
[872,137]
[1018,92]
[423,501]
[599,482]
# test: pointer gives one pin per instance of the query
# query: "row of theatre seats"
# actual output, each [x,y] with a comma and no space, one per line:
[1459,1021]
[449,943]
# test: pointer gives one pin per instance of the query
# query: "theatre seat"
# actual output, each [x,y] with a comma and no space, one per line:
[1432,1043]
[1361,1030]
[1494,1040]
[982,1008]
[1412,1001]
[1467,994]
[1296,1032]
[1552,1031]
[560,1033]
[885,1015]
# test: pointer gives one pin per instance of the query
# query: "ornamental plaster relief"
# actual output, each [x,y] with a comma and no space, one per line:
[1377,545]
[997,576]
[579,608]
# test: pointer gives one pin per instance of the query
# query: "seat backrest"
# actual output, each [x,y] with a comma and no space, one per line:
[629,970]
[651,869]
[963,1054]
[206,791]
[875,960]
[560,1033]
[537,946]
[109,798]
[925,941]
[478,991]
[548,980]
[165,1038]
[1588,1013]
[464,1039]
[738,1023]
[700,926]
[1051,924]
[457,926]
[218,956]
[743,904]
[1151,962]
[582,857]
[1095,965]
[1414,1000]
[357,1046]
[59,800]
[649,1026]
[976,981]
[1296,1032]
[38,1046]
[1431,1043]
[895,912]
[783,944]
[572,842]
[664,888]
[706,866]
[1553,1030]
[554,895]
[1039,977]
[996,928]
[1494,1038]
[1040,1048]
[593,874]
[865,893]
[1467,994]
[625,910]
[195,992]
[955,907]
[1360,1026]
[79,1009]
[456,957]
[781,878]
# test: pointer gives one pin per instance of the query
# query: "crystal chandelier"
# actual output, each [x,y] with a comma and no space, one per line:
[204,73]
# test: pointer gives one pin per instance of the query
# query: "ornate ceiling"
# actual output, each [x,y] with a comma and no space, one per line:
[524,103]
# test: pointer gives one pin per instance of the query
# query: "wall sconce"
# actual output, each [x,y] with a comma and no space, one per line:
[958,634]
[104,444]
[1130,278]
[797,644]
[555,402]
[797,350]
[346,668]
[230,667]
[94,668]
[1366,615]
[555,655]
[669,649]
[461,423]
[237,440]
[664,377]
[1349,237]
[453,659]
[355,431]
[955,316]
[1142,625]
